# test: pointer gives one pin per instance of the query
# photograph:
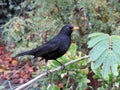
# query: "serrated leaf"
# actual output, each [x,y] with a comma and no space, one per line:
[105,52]
[116,50]
[95,34]
[110,64]
[96,40]
[101,60]
[99,49]
[114,65]
[106,68]
[116,40]
[116,36]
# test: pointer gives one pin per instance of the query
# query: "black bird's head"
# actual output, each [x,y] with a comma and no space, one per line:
[68,29]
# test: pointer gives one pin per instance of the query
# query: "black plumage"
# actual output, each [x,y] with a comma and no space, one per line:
[54,48]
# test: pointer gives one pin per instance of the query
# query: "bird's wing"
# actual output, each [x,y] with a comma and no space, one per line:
[45,49]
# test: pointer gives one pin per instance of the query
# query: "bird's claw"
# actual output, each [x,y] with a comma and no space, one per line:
[47,72]
[63,66]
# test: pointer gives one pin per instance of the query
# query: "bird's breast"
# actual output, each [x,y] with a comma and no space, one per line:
[65,44]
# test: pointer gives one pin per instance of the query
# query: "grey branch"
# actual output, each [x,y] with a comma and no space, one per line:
[53,70]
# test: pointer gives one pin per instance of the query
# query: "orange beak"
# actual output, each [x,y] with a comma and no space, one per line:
[75,28]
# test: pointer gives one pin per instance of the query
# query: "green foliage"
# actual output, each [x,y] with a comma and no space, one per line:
[105,52]
[36,21]
[72,74]
[23,33]
[41,21]
[51,87]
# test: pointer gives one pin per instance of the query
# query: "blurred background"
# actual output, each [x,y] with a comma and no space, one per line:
[26,24]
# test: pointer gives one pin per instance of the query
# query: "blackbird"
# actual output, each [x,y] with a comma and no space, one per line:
[54,48]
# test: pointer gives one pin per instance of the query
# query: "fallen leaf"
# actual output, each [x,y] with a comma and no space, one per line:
[5,76]
[29,68]
[14,62]
[1,69]
[60,85]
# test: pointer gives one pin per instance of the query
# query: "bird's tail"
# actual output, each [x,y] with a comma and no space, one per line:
[24,53]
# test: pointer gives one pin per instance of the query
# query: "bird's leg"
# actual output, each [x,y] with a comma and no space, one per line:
[33,60]
[62,65]
[47,71]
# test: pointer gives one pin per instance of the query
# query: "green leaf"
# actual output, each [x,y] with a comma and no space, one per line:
[96,40]
[116,50]
[106,68]
[83,84]
[95,34]
[110,62]
[114,64]
[105,53]
[55,87]
[52,87]
[96,52]
[73,49]
[100,60]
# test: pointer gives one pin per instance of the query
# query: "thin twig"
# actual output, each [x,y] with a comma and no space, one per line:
[10,85]
[53,70]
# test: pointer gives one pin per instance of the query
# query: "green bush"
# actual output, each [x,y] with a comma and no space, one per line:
[41,20]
